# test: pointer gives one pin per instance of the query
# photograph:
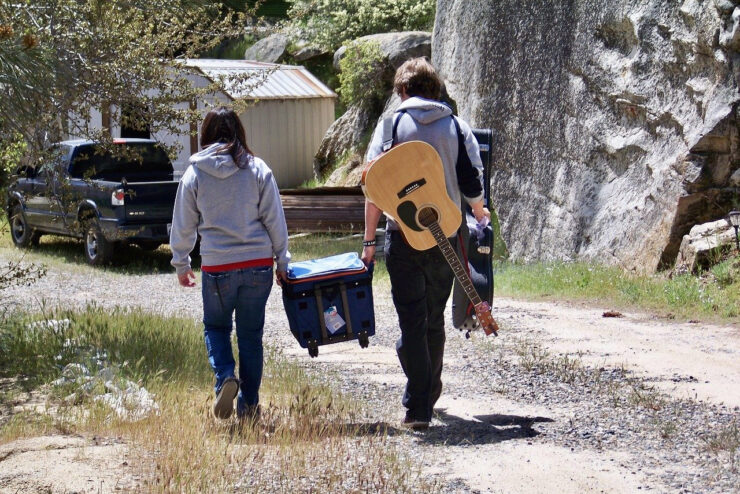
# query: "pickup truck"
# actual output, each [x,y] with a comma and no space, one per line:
[100,196]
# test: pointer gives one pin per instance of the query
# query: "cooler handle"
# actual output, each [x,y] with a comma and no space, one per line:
[320,306]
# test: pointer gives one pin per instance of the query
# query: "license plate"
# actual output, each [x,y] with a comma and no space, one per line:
[169,229]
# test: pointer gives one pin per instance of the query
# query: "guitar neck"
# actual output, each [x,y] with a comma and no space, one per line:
[460,273]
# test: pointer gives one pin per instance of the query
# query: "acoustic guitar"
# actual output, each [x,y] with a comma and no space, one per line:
[408,184]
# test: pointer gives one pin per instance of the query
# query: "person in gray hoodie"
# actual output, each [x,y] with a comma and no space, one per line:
[229,198]
[421,281]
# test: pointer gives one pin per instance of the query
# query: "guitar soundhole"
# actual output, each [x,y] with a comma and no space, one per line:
[428,216]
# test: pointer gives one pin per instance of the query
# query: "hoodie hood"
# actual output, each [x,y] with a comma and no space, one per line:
[425,111]
[214,161]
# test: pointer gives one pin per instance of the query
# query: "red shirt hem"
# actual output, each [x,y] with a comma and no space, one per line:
[253,263]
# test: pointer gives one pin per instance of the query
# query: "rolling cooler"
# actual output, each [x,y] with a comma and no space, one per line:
[475,248]
[329,300]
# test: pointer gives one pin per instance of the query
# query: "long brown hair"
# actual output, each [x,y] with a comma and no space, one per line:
[222,125]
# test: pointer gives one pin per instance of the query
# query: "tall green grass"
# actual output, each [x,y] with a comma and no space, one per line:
[307,431]
[713,295]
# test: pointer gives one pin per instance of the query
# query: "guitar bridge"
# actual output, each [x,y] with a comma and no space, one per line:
[415,185]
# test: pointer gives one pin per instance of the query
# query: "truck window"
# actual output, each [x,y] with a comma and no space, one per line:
[55,165]
[139,162]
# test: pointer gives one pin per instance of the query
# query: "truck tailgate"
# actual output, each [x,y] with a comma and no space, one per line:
[149,202]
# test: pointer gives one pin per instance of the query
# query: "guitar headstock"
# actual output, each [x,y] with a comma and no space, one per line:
[485,319]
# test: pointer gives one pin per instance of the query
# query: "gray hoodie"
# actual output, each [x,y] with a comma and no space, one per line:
[427,120]
[236,211]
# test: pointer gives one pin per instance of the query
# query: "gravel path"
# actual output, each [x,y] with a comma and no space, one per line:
[514,415]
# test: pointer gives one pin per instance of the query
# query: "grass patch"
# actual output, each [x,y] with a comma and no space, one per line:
[714,295]
[67,252]
[725,444]
[308,436]
[620,390]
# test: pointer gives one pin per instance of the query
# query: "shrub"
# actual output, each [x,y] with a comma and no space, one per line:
[364,77]
[12,151]
[329,23]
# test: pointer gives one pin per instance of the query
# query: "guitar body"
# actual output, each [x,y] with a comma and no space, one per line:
[408,184]
[406,180]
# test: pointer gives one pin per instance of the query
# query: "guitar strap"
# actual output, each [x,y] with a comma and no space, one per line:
[389,133]
[390,124]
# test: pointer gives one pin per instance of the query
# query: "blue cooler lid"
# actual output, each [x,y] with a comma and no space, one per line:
[326,266]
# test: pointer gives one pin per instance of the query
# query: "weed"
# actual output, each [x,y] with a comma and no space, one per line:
[725,444]
[532,356]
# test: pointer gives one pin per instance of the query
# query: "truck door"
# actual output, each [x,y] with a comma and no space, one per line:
[49,191]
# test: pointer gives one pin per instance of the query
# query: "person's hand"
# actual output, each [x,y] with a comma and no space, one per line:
[368,255]
[281,277]
[481,212]
[187,278]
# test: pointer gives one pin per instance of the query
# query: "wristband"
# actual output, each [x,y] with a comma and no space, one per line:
[369,243]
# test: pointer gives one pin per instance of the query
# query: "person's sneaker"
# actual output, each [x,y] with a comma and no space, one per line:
[223,406]
[410,422]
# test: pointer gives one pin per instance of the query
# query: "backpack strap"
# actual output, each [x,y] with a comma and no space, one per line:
[388,134]
[390,130]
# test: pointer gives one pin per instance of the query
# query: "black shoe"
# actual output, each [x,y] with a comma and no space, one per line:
[223,406]
[412,423]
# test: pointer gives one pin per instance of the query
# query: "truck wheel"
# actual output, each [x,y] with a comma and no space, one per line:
[98,250]
[22,234]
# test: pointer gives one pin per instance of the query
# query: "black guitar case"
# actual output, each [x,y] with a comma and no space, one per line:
[475,248]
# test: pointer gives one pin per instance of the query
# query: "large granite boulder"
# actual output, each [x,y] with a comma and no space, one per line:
[704,245]
[398,47]
[271,49]
[341,145]
[345,142]
[615,123]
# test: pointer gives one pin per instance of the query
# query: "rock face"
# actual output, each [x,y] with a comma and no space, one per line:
[341,143]
[703,243]
[345,142]
[398,47]
[615,123]
[270,49]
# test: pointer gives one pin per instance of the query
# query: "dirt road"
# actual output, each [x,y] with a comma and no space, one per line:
[565,400]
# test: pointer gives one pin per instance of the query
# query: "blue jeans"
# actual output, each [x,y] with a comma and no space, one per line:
[421,282]
[243,292]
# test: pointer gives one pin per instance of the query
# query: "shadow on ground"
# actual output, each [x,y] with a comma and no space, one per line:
[482,429]
[446,430]
[127,259]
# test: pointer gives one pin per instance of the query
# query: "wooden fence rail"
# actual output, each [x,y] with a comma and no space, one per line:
[324,209]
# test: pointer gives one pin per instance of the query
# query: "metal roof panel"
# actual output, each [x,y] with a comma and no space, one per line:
[279,81]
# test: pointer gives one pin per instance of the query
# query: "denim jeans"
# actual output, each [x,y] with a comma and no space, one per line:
[242,293]
[421,282]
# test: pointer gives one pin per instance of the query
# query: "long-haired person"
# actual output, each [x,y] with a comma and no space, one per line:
[229,197]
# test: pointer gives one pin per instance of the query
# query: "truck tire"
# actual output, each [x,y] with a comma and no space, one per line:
[98,250]
[20,232]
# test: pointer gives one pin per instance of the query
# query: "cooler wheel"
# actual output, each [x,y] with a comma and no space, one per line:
[363,339]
